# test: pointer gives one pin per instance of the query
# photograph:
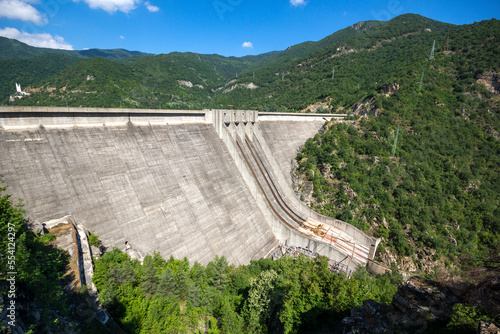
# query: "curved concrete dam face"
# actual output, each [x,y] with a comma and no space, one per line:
[160,180]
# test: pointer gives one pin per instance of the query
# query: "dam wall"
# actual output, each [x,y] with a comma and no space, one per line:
[281,142]
[291,221]
[183,183]
[173,188]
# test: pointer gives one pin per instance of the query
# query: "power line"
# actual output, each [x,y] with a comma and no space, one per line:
[395,143]
[421,80]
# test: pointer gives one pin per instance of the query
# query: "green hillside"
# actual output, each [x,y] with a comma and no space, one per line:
[14,49]
[366,56]
[176,80]
[439,192]
[31,72]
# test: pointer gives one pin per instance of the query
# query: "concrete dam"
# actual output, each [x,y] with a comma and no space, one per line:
[184,183]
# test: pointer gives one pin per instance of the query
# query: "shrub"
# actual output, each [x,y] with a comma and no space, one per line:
[94,240]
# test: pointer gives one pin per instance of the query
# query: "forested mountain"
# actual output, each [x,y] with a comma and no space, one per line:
[422,171]
[31,72]
[365,57]
[14,49]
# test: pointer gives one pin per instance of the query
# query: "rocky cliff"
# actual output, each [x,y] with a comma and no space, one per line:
[419,306]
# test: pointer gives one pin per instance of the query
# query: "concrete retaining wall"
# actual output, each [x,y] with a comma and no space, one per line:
[298,117]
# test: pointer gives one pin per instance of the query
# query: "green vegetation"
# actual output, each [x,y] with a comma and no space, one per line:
[47,238]
[288,295]
[31,72]
[94,240]
[440,190]
[13,49]
[39,267]
[465,318]
[366,56]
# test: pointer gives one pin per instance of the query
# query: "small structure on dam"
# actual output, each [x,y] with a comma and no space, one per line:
[186,183]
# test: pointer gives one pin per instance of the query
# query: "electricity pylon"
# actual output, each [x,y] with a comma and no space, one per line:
[432,51]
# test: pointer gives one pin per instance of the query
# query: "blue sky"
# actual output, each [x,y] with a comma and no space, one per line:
[226,27]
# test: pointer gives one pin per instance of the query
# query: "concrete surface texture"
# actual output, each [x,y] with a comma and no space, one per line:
[285,139]
[189,184]
[170,188]
[291,221]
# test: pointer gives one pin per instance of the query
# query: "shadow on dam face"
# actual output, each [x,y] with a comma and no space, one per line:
[171,188]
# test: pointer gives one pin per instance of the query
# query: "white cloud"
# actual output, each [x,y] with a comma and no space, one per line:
[247,45]
[41,40]
[112,6]
[21,10]
[151,7]
[297,3]
[122,37]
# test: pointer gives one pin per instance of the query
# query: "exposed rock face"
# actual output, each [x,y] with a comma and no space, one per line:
[322,106]
[491,80]
[488,328]
[250,85]
[390,89]
[417,303]
[185,83]
[366,107]
[326,171]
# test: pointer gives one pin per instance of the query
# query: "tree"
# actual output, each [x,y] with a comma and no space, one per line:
[259,298]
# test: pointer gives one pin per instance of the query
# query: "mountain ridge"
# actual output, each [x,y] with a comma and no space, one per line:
[280,80]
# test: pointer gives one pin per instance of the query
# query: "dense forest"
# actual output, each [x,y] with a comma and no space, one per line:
[39,290]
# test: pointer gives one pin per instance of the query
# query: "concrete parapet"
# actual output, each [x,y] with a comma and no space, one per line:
[15,118]
[298,117]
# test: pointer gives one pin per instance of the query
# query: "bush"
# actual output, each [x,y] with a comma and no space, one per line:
[46,238]
[94,240]
[465,319]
